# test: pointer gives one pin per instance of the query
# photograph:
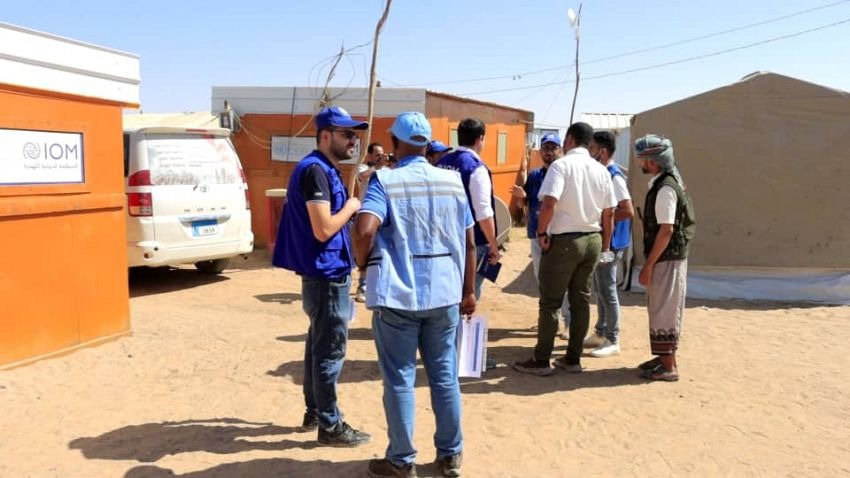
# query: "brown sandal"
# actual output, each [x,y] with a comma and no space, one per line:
[650,364]
[660,373]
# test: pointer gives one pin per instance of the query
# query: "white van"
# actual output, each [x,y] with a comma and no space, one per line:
[187,198]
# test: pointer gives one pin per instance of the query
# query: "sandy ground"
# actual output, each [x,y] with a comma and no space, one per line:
[209,385]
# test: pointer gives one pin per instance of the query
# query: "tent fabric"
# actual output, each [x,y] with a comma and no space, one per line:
[779,284]
[766,161]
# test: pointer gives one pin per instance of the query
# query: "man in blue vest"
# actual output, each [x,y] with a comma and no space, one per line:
[606,341]
[478,183]
[436,150]
[314,242]
[415,235]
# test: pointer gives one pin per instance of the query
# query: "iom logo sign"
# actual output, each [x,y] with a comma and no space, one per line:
[54,151]
[40,157]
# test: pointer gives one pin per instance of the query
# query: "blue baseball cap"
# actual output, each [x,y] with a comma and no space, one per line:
[412,127]
[550,138]
[337,117]
[437,147]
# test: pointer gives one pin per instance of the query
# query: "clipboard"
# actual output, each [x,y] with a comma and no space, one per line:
[489,271]
[472,346]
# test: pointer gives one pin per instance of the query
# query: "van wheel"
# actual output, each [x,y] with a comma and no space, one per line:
[215,266]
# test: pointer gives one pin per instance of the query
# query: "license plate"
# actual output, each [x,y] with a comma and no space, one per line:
[204,228]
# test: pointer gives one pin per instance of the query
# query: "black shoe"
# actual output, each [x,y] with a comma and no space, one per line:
[386,468]
[449,465]
[533,366]
[561,363]
[310,422]
[342,435]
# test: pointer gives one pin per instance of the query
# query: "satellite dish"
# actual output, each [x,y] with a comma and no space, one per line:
[503,221]
[572,17]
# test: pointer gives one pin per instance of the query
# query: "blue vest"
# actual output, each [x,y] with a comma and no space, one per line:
[622,229]
[532,189]
[465,163]
[297,249]
[417,261]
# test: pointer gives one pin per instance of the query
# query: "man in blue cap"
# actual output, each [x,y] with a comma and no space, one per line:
[415,235]
[436,150]
[550,150]
[313,241]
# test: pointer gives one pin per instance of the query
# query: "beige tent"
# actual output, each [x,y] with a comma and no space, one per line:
[767,161]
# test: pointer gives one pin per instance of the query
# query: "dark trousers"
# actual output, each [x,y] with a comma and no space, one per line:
[567,267]
[327,304]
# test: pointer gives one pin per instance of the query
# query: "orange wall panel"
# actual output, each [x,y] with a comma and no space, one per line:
[253,143]
[63,275]
[445,112]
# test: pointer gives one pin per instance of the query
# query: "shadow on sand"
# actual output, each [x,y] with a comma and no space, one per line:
[150,442]
[274,467]
[283,298]
[353,334]
[267,467]
[158,280]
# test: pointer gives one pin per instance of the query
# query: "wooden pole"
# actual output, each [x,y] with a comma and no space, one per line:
[372,80]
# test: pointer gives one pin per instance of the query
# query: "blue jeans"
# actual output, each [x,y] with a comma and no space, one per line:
[398,334]
[327,304]
[607,301]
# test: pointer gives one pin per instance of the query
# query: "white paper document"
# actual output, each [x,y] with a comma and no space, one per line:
[472,346]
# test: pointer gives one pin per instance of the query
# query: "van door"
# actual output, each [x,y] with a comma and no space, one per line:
[197,189]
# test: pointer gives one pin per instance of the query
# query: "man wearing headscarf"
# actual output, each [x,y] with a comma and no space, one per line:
[668,227]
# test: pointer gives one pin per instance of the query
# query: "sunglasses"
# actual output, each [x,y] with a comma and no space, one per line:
[346,133]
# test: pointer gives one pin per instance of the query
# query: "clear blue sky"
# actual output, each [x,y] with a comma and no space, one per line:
[187,46]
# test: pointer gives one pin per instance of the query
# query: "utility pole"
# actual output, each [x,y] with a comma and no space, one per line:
[371,99]
[575,21]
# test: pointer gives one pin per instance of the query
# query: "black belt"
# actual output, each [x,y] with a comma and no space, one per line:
[574,234]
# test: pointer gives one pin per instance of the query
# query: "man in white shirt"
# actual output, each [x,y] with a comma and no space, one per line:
[606,341]
[668,227]
[574,226]
[478,184]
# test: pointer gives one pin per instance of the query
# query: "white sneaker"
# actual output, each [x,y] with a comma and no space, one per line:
[606,350]
[594,341]
[360,296]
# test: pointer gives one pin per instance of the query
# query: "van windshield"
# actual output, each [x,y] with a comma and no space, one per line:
[184,159]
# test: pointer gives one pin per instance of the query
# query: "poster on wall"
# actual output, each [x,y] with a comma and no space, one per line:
[292,149]
[31,157]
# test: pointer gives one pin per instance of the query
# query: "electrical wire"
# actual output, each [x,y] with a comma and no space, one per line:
[668,63]
[516,76]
